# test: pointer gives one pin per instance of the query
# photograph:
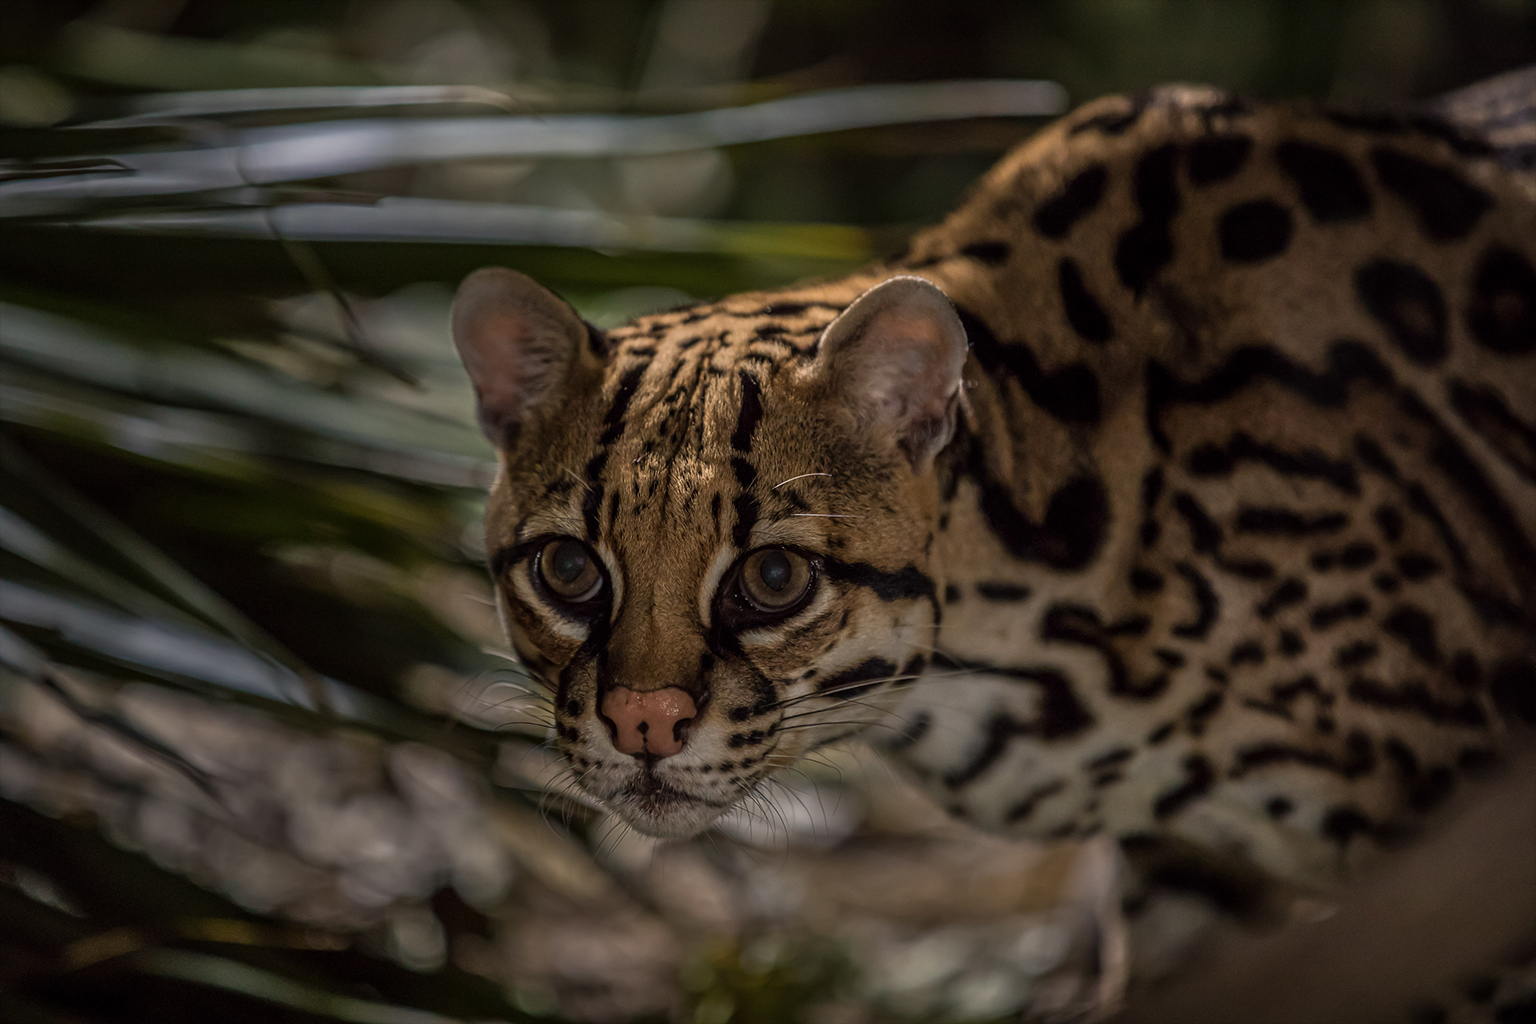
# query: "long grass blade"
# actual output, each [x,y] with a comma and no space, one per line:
[236,160]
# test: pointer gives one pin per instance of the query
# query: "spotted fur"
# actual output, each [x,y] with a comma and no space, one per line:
[1230,541]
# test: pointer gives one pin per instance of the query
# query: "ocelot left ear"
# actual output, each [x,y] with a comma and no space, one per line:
[523,347]
[894,358]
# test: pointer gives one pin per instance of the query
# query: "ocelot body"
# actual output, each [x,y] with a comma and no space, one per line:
[1181,485]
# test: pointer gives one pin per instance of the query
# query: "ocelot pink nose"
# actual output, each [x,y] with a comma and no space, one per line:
[648,723]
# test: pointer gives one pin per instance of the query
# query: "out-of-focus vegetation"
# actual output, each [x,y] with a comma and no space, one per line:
[262,753]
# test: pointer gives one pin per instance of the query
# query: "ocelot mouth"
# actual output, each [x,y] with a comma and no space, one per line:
[652,791]
[651,806]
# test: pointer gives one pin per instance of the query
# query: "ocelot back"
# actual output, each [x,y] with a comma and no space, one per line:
[1181,484]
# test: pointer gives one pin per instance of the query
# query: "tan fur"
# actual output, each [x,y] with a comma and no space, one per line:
[1252,734]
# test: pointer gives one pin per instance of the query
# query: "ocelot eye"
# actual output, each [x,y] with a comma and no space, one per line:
[570,571]
[775,581]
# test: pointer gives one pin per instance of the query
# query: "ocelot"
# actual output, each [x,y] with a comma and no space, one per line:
[1180,485]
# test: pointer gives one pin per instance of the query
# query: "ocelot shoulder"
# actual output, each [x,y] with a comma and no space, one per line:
[1253,469]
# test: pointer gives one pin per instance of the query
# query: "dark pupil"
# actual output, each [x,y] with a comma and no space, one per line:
[570,562]
[775,570]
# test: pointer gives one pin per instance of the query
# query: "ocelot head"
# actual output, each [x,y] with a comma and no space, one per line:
[710,533]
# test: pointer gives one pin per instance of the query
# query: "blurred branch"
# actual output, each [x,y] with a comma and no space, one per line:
[265,156]
[161,108]
[309,264]
[187,376]
[164,648]
[176,581]
[19,656]
[408,219]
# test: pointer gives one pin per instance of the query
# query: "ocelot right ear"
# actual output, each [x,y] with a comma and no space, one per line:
[522,345]
[895,359]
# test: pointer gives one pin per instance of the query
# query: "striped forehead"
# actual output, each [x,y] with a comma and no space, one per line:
[669,441]
[745,329]
[686,395]
[690,365]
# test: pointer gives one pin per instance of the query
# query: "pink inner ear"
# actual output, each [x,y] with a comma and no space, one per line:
[897,354]
[513,364]
[518,343]
[909,369]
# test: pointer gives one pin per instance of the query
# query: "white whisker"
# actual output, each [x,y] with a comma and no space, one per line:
[792,479]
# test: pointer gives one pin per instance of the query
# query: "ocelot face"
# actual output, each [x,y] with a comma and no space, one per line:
[714,564]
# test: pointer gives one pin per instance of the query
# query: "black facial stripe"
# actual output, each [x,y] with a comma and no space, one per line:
[903,584]
[613,422]
[809,629]
[613,427]
[746,504]
[591,649]
[592,502]
[751,413]
[846,684]
[765,694]
[529,609]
